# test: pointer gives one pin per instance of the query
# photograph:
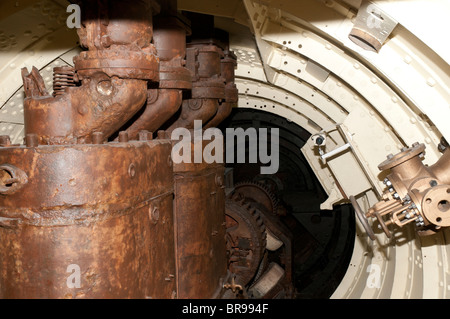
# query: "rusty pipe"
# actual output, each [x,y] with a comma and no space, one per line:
[228,65]
[118,37]
[195,109]
[101,104]
[223,112]
[157,112]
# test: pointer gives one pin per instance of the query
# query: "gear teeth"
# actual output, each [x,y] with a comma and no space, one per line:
[273,198]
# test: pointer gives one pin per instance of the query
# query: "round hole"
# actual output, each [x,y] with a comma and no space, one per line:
[439,219]
[444,206]
[11,179]
[6,178]
[428,201]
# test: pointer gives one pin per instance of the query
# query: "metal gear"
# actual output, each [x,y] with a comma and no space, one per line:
[246,237]
[258,193]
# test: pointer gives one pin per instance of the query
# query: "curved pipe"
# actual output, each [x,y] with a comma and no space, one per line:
[101,104]
[222,113]
[193,110]
[156,113]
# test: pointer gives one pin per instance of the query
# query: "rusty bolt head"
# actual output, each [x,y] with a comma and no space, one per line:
[97,138]
[32,140]
[145,136]
[153,213]
[83,110]
[161,135]
[123,137]
[5,140]
[105,87]
[132,170]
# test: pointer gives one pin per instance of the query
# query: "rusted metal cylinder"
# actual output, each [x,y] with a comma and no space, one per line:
[118,37]
[170,42]
[199,213]
[91,221]
[228,66]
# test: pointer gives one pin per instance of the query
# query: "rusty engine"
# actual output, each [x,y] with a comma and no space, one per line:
[94,188]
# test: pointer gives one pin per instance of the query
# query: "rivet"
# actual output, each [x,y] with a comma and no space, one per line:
[5,140]
[161,135]
[31,140]
[153,213]
[132,170]
[145,136]
[97,138]
[123,137]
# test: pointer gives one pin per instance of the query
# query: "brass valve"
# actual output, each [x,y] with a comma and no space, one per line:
[415,193]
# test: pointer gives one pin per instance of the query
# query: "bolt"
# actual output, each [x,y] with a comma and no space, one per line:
[145,136]
[5,140]
[153,214]
[123,137]
[82,109]
[161,135]
[404,149]
[396,196]
[132,170]
[433,183]
[31,140]
[97,138]
[390,156]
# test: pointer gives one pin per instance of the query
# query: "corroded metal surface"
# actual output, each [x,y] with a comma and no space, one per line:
[118,37]
[92,206]
[120,215]
[199,213]
[100,104]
